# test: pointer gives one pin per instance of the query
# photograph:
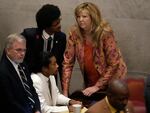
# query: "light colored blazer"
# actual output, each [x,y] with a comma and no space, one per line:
[49,101]
[107,58]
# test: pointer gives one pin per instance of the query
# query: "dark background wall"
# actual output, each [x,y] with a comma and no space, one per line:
[130,20]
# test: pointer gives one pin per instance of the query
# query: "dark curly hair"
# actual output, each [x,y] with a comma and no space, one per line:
[46,15]
[44,60]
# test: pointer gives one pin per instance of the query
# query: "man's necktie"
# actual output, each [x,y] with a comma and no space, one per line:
[50,89]
[26,86]
[49,85]
[49,44]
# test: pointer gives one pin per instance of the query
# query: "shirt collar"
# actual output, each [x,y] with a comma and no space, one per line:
[113,110]
[13,63]
[46,35]
[43,76]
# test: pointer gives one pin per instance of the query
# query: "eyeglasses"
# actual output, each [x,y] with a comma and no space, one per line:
[20,50]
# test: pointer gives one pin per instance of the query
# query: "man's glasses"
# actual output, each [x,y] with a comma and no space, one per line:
[20,50]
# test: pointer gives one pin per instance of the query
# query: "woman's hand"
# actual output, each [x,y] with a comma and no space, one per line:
[90,90]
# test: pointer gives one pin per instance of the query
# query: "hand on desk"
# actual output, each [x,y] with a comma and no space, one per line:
[71,102]
[99,85]
[90,90]
[37,112]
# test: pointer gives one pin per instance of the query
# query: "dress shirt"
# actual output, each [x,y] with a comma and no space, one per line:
[49,101]
[46,36]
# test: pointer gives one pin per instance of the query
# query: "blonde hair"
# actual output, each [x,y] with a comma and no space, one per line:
[98,25]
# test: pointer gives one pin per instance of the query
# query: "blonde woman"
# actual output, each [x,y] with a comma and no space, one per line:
[91,41]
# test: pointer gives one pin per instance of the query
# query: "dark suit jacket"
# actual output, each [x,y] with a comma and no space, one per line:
[102,107]
[35,46]
[147,94]
[13,98]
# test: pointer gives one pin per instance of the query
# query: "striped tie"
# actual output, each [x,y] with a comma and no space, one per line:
[26,86]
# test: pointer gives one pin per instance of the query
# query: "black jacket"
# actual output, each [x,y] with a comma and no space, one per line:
[13,98]
[35,44]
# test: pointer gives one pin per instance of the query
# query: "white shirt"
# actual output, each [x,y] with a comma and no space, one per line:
[45,36]
[49,101]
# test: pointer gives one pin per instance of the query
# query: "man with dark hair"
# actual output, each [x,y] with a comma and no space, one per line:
[47,37]
[46,15]
[116,100]
[45,85]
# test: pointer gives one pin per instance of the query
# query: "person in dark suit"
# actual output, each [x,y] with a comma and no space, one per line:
[116,100]
[47,37]
[147,94]
[14,97]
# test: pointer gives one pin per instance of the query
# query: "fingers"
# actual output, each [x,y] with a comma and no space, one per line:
[90,90]
[71,102]
[87,92]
